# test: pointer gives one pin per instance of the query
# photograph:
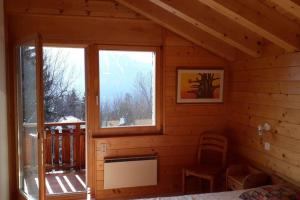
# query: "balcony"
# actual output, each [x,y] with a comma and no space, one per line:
[64,158]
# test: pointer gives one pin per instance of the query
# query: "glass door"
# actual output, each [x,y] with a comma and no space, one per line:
[30,120]
[64,99]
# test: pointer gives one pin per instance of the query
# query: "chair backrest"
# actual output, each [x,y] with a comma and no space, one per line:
[214,143]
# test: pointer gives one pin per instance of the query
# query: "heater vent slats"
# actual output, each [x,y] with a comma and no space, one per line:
[125,159]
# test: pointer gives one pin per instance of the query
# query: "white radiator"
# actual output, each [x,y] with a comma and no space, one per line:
[130,172]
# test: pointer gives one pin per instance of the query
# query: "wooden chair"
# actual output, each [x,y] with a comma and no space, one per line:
[211,159]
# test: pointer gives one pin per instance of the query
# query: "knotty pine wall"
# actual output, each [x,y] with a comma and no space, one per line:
[183,124]
[267,90]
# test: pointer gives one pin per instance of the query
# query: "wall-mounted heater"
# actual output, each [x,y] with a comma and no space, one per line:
[125,172]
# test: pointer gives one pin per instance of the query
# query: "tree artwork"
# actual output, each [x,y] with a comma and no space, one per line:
[203,86]
[196,86]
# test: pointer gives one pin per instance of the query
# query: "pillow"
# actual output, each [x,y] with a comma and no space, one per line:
[272,192]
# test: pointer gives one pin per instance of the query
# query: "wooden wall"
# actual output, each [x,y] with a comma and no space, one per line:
[183,124]
[267,90]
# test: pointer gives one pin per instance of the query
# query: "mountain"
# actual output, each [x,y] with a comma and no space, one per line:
[119,71]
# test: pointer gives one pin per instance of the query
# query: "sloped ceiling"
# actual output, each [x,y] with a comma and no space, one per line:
[225,27]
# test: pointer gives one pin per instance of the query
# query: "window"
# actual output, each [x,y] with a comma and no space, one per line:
[129,91]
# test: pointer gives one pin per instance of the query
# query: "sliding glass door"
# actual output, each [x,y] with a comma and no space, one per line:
[30,120]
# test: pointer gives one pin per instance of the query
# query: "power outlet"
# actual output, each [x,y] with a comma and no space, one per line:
[103,148]
[267,146]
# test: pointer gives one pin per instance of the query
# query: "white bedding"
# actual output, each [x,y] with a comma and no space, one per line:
[231,195]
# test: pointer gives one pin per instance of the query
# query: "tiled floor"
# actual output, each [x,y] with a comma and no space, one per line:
[58,183]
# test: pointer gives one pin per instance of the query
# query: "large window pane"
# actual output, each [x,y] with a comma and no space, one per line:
[127,88]
[27,130]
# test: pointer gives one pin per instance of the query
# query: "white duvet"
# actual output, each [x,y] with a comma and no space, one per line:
[231,195]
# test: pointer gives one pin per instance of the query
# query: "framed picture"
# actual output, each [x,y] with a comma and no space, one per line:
[200,85]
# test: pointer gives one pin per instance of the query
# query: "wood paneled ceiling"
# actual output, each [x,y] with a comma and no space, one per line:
[237,25]
[225,28]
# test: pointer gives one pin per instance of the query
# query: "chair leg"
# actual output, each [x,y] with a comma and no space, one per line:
[226,184]
[211,185]
[183,181]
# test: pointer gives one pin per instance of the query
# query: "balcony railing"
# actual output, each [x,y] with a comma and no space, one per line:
[64,146]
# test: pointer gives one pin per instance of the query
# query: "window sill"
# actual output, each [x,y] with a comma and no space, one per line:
[98,135]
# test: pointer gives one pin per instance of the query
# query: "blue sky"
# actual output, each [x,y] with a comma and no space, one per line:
[118,69]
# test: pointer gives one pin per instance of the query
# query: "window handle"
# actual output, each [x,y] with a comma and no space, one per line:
[97,100]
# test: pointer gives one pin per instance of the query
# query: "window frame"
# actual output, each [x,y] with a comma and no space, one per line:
[134,130]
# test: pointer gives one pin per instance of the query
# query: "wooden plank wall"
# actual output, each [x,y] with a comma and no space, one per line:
[267,90]
[183,125]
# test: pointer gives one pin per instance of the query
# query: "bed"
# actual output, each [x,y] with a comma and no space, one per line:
[271,192]
[232,195]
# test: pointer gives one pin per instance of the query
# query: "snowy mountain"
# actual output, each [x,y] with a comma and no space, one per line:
[119,70]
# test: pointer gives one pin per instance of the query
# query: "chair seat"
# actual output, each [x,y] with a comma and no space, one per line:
[237,178]
[204,171]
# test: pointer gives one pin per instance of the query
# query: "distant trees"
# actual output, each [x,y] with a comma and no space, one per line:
[60,98]
[123,107]
[143,95]
[28,84]
[131,106]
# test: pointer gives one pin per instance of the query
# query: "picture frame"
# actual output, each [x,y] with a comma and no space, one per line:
[200,85]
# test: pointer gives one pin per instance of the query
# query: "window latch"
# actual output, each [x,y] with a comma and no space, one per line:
[97,100]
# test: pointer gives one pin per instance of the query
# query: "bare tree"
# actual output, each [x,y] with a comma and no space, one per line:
[130,106]
[55,88]
[143,95]
[61,98]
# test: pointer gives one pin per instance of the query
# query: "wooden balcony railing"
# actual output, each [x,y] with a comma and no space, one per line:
[65,146]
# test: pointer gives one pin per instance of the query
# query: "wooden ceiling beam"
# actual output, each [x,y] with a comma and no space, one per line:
[181,27]
[289,6]
[206,20]
[260,19]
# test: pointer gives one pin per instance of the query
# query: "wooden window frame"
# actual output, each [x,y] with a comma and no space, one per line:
[95,78]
